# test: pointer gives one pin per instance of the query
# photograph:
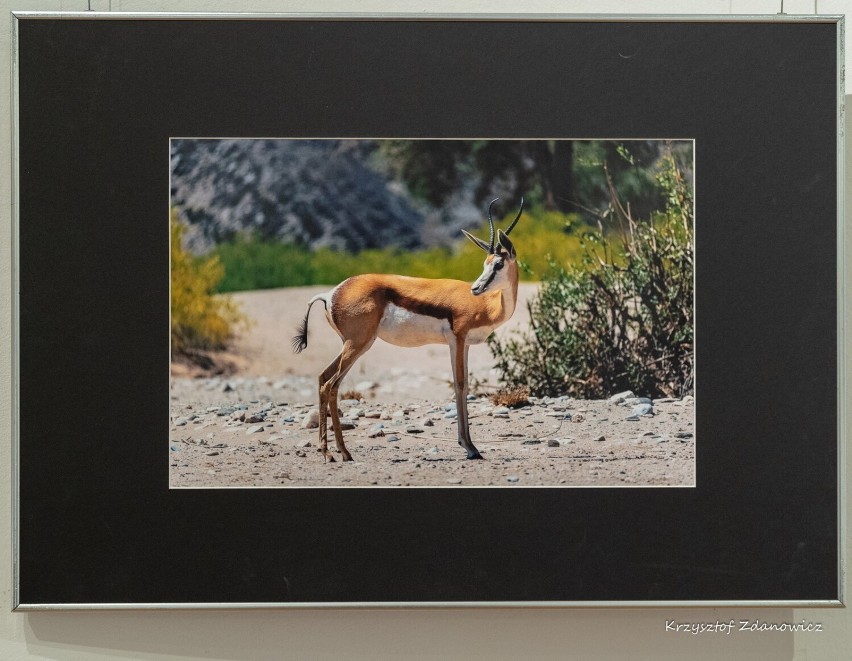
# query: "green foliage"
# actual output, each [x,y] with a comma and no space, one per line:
[200,320]
[260,264]
[623,317]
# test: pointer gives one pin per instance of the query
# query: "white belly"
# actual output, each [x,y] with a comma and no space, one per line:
[407,329]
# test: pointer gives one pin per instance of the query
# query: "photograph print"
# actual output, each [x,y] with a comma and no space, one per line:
[432,313]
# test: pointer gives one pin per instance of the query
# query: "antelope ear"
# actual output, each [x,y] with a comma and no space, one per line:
[478,242]
[504,241]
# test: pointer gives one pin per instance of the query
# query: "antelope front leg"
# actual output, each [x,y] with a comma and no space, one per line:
[458,354]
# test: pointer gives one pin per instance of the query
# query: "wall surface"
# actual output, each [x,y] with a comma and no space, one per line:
[422,634]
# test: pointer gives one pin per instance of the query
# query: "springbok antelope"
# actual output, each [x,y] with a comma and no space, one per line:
[411,312]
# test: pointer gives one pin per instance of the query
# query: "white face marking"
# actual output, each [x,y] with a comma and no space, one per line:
[493,276]
[407,329]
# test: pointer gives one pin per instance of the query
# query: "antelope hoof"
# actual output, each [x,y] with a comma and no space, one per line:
[327,456]
[473,454]
[346,455]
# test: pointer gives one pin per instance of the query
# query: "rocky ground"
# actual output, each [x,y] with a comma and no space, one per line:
[247,429]
[256,432]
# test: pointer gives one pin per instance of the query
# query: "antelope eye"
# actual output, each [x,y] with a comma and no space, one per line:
[498,266]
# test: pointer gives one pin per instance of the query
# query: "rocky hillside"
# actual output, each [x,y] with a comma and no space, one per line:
[320,193]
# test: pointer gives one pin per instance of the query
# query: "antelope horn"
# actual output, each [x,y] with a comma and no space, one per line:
[514,222]
[491,225]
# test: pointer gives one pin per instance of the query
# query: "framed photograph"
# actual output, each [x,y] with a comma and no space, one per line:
[393,311]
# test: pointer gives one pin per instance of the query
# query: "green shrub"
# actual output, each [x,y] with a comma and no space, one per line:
[200,320]
[257,263]
[622,319]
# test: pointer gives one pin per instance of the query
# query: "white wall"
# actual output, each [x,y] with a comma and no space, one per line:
[431,634]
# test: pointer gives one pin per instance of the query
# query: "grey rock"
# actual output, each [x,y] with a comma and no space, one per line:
[619,398]
[304,443]
[427,422]
[212,453]
[453,480]
[254,429]
[311,420]
[531,441]
[376,431]
[226,410]
[512,478]
[632,418]
[281,189]
[345,424]
[643,409]
[355,413]
[599,439]
[683,434]
[180,422]
[255,418]
[393,438]
[348,402]
[500,410]
[553,443]
[411,429]
[449,415]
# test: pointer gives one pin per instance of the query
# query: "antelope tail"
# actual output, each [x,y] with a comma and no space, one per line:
[300,341]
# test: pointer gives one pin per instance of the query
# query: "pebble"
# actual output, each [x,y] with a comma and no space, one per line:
[181,422]
[254,418]
[225,410]
[633,401]
[349,402]
[683,434]
[399,414]
[450,407]
[512,478]
[303,444]
[212,453]
[355,413]
[553,443]
[427,422]
[393,438]
[385,416]
[211,409]
[345,424]
[454,480]
[531,441]
[373,414]
[366,385]
[254,429]
[599,439]
[449,415]
[500,410]
[413,430]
